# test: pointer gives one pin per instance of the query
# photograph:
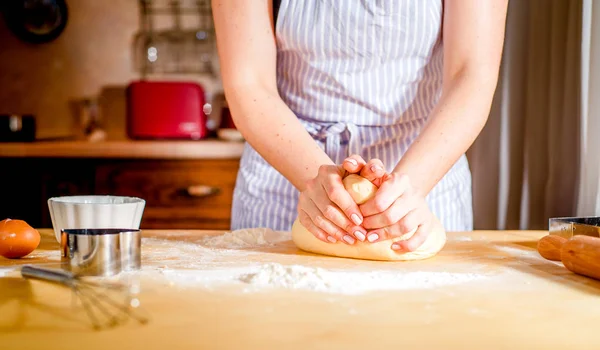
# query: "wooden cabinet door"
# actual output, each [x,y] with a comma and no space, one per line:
[21,191]
[28,183]
[64,177]
[190,194]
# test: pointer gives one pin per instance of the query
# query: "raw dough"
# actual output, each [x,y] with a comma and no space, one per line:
[362,190]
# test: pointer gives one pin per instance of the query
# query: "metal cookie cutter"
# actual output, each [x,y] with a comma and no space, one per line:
[101,252]
[568,227]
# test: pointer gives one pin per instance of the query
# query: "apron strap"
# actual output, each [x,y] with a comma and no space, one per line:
[333,137]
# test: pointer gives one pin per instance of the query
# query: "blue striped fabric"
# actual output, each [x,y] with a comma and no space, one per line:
[362,77]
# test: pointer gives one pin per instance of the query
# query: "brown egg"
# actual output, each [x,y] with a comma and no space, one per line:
[17,238]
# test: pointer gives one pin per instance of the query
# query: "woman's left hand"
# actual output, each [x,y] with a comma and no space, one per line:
[396,209]
[373,170]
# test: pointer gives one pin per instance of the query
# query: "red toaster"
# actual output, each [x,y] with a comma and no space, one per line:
[165,110]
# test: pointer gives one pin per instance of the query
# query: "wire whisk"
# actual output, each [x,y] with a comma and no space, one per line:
[106,304]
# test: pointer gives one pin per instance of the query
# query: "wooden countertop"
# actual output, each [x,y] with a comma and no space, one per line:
[159,149]
[524,302]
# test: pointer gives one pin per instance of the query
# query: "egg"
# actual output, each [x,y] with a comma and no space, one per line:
[17,238]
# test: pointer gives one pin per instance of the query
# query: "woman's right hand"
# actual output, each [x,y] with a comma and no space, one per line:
[327,210]
[373,170]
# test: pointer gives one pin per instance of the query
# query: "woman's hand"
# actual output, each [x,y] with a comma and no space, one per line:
[373,170]
[396,209]
[327,210]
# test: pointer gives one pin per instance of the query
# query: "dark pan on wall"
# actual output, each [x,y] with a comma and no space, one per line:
[35,21]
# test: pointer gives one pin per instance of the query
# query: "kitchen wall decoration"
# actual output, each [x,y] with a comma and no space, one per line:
[177,47]
[35,21]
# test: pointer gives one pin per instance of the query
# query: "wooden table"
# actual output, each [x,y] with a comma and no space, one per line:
[525,302]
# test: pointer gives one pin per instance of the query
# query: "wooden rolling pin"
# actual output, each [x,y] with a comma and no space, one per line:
[549,247]
[580,254]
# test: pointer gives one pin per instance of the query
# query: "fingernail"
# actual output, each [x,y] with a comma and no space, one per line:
[375,168]
[331,239]
[348,239]
[356,219]
[373,237]
[395,246]
[352,161]
[359,235]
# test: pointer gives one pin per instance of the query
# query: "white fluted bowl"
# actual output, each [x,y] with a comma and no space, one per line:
[92,212]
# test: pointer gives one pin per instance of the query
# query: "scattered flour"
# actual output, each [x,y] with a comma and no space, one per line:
[230,260]
[48,255]
[346,282]
[246,239]
[292,277]
[208,278]
[518,252]
[462,239]
[6,271]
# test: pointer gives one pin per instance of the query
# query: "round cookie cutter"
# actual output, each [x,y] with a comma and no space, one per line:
[101,252]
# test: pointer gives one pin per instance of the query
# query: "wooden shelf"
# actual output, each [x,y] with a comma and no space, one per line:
[207,149]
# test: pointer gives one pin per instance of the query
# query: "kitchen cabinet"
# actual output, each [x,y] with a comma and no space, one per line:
[189,188]
[28,183]
[178,194]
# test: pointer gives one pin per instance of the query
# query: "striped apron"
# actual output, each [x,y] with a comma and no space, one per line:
[362,77]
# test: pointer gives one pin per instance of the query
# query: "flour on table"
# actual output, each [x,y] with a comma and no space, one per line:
[6,271]
[226,249]
[246,238]
[350,282]
[231,259]
[292,277]
[237,259]
[49,255]
[517,252]
[258,277]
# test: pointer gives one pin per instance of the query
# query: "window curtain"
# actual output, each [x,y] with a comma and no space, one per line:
[589,181]
[526,162]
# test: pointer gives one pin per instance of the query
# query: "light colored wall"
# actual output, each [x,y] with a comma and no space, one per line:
[94,55]
[94,52]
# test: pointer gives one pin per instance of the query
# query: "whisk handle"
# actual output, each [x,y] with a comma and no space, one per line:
[45,274]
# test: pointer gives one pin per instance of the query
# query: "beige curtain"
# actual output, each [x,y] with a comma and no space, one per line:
[525,162]
[589,180]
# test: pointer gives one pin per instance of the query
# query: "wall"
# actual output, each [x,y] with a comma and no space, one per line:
[94,55]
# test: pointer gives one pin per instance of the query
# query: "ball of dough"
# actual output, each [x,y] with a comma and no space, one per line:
[361,191]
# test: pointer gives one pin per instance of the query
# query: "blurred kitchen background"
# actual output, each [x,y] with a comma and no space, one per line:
[83,83]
